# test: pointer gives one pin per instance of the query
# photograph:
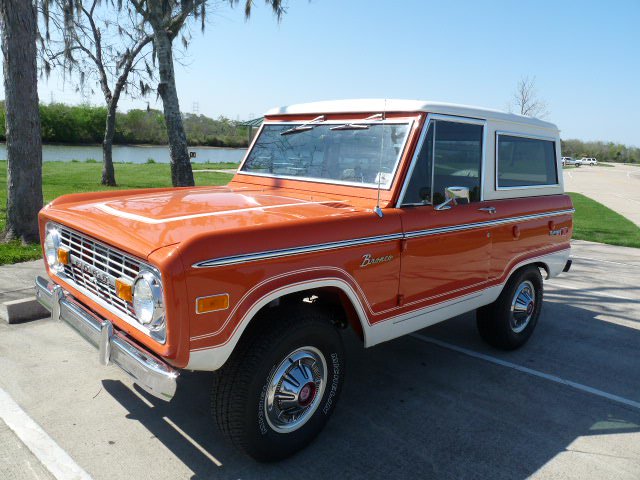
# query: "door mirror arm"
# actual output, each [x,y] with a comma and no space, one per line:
[452,194]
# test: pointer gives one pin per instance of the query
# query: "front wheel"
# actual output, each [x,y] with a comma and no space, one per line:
[508,322]
[278,389]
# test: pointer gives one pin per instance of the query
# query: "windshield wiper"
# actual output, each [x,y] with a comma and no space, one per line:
[350,126]
[304,127]
[358,126]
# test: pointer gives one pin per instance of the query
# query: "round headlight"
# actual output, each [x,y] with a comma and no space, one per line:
[147,300]
[51,246]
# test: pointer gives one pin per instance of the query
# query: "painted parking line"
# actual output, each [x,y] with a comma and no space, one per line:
[529,371]
[46,450]
[607,261]
[600,294]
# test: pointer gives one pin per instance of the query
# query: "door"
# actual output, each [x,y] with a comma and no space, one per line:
[446,253]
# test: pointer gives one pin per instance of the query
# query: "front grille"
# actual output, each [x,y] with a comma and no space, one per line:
[95,267]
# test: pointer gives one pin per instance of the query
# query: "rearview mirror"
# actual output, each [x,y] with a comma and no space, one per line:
[452,194]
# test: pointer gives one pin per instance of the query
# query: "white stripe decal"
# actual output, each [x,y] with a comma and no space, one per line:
[155,221]
[529,371]
[54,458]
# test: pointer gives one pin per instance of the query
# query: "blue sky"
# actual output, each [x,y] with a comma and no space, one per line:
[585,56]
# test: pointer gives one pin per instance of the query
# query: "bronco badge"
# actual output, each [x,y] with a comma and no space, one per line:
[368,260]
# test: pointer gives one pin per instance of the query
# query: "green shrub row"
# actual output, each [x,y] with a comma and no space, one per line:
[603,151]
[85,124]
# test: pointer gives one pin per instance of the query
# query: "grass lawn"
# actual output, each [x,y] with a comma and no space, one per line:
[597,223]
[59,178]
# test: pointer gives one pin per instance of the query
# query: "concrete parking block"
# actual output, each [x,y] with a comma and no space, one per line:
[22,310]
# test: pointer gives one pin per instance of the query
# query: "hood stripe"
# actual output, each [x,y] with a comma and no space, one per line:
[156,221]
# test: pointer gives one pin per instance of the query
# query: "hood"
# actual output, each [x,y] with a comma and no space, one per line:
[144,221]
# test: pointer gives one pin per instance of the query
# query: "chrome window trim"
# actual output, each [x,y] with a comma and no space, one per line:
[409,121]
[286,252]
[433,158]
[532,137]
[423,135]
[414,160]
[250,147]
[488,223]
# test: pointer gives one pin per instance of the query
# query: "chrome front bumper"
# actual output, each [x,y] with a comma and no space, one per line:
[149,372]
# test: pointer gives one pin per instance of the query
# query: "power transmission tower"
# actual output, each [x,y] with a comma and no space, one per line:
[196,108]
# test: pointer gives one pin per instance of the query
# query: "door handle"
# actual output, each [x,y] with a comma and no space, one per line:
[488,209]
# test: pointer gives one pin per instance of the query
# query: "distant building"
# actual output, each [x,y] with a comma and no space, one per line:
[253,125]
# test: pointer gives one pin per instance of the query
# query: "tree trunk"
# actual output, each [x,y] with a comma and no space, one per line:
[108,173]
[181,173]
[18,21]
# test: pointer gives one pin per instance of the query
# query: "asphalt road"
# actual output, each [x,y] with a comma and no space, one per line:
[439,404]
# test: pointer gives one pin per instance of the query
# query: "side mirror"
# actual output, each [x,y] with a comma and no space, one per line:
[452,194]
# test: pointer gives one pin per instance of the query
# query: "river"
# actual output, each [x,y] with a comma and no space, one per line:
[133,153]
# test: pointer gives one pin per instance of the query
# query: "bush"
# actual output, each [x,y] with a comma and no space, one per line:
[78,124]
[607,152]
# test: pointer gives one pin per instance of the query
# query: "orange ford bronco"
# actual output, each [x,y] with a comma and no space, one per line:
[383,216]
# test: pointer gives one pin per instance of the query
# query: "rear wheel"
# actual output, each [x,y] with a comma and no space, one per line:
[277,391]
[508,322]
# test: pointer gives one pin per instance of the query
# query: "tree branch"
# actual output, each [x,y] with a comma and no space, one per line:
[104,80]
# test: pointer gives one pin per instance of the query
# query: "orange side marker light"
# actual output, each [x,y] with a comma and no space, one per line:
[212,303]
[63,256]
[124,290]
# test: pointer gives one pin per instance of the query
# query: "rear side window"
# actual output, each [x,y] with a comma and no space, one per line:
[525,162]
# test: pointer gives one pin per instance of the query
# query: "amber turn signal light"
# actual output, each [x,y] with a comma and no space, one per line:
[124,290]
[212,303]
[63,256]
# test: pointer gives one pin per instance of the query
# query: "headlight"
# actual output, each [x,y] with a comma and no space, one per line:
[147,301]
[51,246]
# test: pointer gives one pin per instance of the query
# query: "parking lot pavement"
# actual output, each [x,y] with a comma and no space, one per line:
[617,186]
[16,460]
[439,404]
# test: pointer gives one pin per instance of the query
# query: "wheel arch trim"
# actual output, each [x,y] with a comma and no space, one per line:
[212,358]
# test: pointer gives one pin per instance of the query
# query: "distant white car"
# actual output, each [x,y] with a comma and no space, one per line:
[568,161]
[587,161]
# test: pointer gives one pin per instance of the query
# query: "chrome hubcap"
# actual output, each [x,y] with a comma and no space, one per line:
[522,306]
[295,389]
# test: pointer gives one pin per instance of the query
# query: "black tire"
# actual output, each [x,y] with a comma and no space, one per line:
[498,326]
[240,388]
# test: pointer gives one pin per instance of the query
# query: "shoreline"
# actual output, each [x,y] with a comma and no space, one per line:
[130,145]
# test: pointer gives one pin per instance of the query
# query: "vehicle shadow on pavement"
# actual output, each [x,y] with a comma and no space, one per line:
[410,409]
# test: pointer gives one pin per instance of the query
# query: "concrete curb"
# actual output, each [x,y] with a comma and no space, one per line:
[16,311]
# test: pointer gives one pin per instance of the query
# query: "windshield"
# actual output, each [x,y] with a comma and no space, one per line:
[362,154]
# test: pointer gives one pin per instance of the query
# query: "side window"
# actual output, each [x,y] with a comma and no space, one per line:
[419,188]
[525,162]
[458,159]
